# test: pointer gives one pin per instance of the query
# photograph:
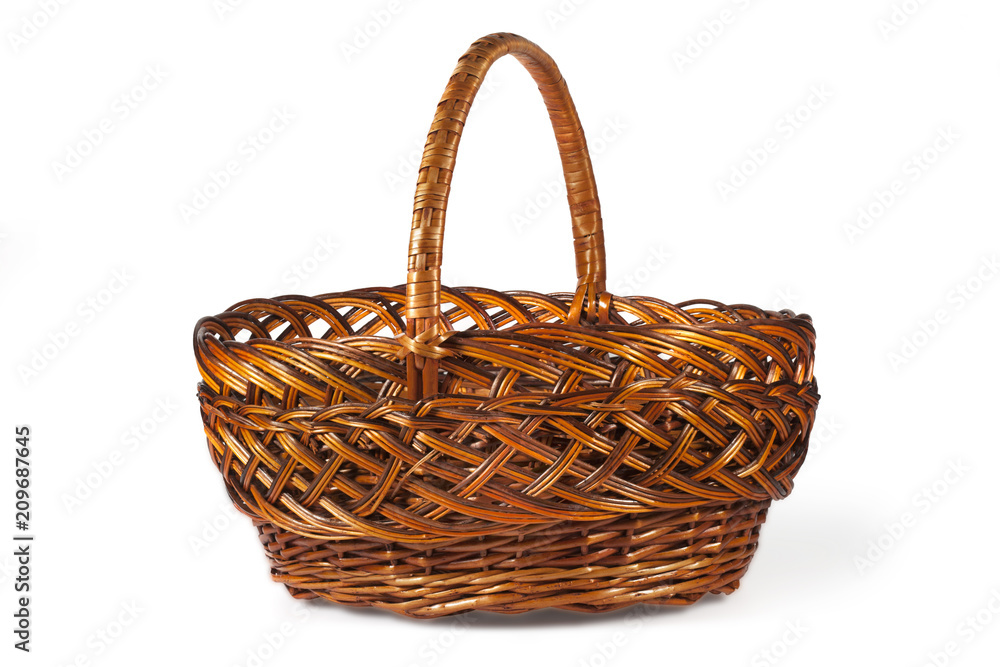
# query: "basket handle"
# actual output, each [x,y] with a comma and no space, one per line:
[425,328]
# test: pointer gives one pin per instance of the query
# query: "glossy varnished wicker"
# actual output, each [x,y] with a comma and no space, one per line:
[433,450]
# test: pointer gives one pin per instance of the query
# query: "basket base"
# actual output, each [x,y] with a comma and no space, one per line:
[672,557]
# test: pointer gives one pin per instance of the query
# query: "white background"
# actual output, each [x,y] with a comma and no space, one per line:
[880,555]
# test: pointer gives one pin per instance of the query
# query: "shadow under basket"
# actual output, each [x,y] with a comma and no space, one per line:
[433,450]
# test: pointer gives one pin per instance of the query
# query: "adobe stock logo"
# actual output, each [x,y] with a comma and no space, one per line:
[271,643]
[323,250]
[712,29]
[957,300]
[365,33]
[921,504]
[786,127]
[249,149]
[899,16]
[562,12]
[656,259]
[122,107]
[87,311]
[780,647]
[912,170]
[34,23]
[101,640]
[968,629]
[130,441]
[223,8]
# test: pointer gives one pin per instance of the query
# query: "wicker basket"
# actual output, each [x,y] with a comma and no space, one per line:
[435,450]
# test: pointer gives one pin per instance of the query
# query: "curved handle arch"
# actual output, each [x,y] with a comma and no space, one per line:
[430,202]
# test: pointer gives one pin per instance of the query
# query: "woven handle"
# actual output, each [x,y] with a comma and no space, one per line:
[425,327]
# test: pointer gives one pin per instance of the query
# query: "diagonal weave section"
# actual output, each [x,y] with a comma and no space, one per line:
[665,433]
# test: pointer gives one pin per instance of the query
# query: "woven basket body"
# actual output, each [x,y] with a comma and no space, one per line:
[433,450]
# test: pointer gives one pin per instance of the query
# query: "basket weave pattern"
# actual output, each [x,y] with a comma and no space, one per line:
[433,450]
